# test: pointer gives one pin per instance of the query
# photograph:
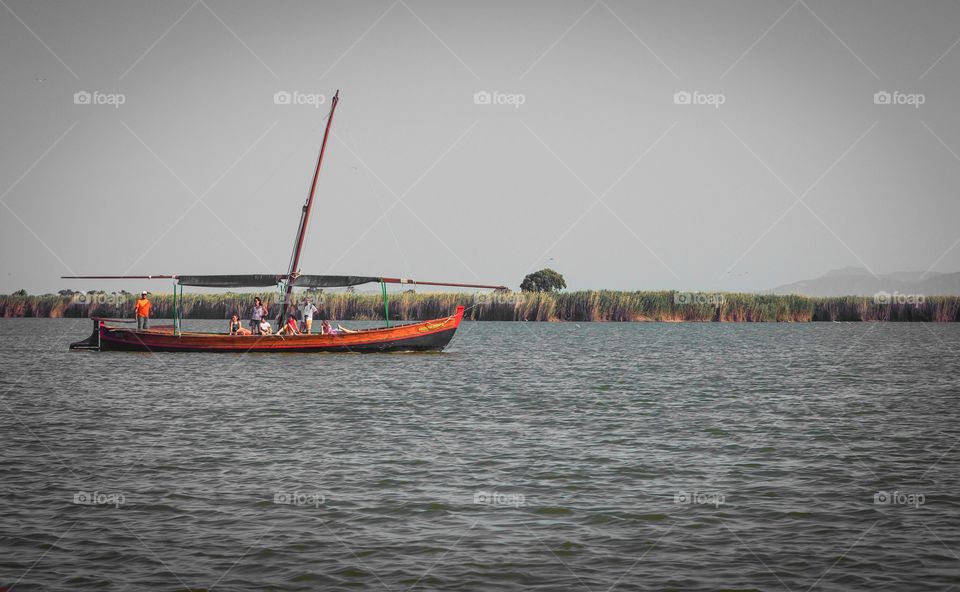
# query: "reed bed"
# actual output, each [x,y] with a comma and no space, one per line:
[580,306]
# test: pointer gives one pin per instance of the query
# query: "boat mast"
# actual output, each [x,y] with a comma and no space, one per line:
[305,219]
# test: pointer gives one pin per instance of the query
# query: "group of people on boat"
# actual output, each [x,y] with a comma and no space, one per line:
[259,325]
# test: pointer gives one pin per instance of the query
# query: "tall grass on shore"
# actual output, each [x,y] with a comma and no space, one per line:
[591,305]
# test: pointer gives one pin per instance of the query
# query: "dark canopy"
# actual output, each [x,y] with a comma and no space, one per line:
[263,279]
[266,279]
[332,281]
[229,281]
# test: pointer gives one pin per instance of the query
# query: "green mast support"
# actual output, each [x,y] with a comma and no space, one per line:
[176,327]
[180,313]
[386,306]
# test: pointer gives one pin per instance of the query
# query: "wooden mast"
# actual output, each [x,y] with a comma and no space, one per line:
[305,220]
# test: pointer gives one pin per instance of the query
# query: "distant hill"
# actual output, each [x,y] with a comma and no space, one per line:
[856,281]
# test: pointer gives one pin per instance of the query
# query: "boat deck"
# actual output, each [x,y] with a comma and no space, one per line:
[431,335]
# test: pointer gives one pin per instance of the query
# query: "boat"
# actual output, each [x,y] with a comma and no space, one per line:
[422,336]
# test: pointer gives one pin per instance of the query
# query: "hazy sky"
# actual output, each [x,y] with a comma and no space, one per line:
[599,173]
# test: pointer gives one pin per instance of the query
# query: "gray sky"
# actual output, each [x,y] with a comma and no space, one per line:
[599,173]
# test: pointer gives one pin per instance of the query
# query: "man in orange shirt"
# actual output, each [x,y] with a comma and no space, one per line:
[143,311]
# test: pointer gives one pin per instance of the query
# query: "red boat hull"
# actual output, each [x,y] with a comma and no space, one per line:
[432,335]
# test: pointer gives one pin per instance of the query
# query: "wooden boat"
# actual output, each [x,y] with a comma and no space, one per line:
[429,335]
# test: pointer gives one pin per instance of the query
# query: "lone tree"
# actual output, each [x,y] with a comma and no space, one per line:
[545,280]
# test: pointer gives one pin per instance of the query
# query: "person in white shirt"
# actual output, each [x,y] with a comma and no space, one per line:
[307,310]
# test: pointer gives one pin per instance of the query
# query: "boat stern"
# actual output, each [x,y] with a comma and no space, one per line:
[92,342]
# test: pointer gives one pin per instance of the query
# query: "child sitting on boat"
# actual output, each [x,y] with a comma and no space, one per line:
[265,328]
[236,328]
[290,328]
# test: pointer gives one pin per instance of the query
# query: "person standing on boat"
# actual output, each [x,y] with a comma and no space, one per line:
[307,310]
[142,308]
[258,314]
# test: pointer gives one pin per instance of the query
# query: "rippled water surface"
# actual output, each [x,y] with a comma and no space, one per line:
[528,456]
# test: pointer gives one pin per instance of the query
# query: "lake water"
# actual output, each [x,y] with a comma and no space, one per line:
[529,456]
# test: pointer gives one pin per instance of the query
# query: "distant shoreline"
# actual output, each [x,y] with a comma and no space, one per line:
[579,306]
